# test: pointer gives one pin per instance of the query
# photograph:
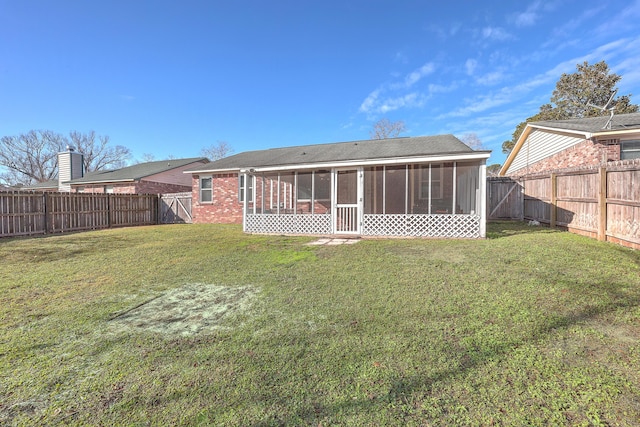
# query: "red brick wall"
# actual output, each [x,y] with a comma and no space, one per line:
[225,207]
[141,187]
[586,153]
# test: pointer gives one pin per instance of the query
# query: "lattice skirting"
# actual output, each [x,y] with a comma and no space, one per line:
[435,225]
[289,224]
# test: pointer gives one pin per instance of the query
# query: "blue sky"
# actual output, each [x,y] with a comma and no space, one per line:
[171,77]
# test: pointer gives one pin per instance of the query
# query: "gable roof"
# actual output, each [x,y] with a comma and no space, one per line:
[593,125]
[341,152]
[135,172]
[573,131]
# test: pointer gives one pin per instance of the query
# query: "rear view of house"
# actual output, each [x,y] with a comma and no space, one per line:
[432,186]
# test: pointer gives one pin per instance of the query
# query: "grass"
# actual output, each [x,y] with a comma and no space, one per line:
[528,327]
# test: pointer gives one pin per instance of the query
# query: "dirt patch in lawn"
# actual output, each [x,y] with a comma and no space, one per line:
[186,311]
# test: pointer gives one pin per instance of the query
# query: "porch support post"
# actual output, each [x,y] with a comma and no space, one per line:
[334,200]
[245,205]
[483,199]
[455,188]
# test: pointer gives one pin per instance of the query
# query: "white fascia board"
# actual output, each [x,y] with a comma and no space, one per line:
[623,132]
[373,162]
[200,171]
[113,181]
[586,135]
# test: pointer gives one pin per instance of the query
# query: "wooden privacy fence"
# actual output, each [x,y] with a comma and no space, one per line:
[27,213]
[602,203]
[175,208]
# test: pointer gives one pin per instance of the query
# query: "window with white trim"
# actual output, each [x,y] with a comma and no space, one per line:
[241,188]
[206,189]
[630,149]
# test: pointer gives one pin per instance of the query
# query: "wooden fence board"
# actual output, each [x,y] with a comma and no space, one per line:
[602,203]
[28,213]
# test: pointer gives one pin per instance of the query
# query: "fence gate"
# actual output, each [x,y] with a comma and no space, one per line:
[504,199]
[175,208]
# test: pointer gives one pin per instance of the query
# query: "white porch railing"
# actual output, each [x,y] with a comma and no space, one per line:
[347,219]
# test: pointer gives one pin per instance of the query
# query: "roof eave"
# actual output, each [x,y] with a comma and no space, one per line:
[475,155]
[109,181]
[616,132]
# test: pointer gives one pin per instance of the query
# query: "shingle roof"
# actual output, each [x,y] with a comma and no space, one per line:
[135,172]
[594,124]
[341,152]
[42,185]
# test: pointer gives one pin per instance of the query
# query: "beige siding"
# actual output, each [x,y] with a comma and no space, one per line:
[174,176]
[540,145]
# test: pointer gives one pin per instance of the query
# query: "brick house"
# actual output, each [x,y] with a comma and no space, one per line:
[561,144]
[157,177]
[422,186]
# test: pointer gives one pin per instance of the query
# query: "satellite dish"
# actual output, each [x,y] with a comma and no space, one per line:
[606,107]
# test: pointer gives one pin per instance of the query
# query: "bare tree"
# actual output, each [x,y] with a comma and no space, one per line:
[97,154]
[30,157]
[33,157]
[384,128]
[217,151]
[472,140]
[146,157]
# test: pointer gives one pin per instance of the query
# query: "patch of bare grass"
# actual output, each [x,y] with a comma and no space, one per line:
[189,310]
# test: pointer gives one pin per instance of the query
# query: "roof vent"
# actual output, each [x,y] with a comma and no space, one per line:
[70,148]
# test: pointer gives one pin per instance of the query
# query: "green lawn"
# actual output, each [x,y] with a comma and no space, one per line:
[203,325]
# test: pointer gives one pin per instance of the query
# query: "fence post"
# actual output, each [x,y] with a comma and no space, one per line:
[602,205]
[553,213]
[108,210]
[45,224]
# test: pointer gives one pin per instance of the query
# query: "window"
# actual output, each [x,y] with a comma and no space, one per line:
[630,149]
[241,189]
[206,189]
[436,181]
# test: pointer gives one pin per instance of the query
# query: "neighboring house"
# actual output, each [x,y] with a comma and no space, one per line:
[423,186]
[158,177]
[164,176]
[560,144]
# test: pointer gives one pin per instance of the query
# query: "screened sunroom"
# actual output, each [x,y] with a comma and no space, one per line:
[430,199]
[430,186]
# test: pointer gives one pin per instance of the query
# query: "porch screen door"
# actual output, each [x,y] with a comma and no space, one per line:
[347,215]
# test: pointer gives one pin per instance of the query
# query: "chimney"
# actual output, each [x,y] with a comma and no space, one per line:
[70,166]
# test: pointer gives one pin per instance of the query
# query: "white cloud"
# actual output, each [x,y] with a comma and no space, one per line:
[410,100]
[434,88]
[370,101]
[529,16]
[415,76]
[625,19]
[389,97]
[470,66]
[495,33]
[490,78]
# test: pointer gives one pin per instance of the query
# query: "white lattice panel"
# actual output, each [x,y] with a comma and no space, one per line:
[435,225]
[289,224]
